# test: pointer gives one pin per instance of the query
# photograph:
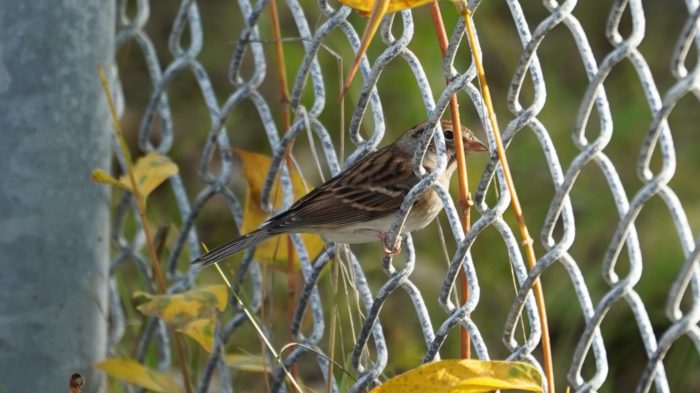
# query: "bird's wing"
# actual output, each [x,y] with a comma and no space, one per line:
[372,188]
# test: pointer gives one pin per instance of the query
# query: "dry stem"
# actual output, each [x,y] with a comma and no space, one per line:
[141,206]
[465,201]
[515,202]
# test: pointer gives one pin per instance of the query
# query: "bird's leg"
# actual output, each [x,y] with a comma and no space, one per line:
[390,250]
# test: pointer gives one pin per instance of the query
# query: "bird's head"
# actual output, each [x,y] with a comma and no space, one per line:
[411,138]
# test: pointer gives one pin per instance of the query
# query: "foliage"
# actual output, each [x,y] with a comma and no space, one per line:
[465,376]
[150,171]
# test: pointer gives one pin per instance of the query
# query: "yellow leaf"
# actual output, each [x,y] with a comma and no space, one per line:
[465,376]
[100,176]
[135,373]
[202,331]
[252,363]
[365,6]
[255,168]
[182,308]
[150,171]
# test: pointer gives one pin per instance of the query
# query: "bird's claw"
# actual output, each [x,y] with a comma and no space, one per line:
[389,250]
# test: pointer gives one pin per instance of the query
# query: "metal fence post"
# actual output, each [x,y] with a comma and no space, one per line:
[54,128]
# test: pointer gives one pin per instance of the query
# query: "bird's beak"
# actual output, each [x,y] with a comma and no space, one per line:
[475,145]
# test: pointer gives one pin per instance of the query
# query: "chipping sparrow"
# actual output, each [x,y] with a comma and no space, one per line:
[359,204]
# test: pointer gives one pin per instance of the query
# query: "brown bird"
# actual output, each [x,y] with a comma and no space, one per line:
[360,204]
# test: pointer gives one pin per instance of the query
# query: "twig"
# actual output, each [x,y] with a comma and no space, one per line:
[257,328]
[141,206]
[465,198]
[286,122]
[375,17]
[515,202]
[335,273]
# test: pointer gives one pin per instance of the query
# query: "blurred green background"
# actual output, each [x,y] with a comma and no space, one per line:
[595,213]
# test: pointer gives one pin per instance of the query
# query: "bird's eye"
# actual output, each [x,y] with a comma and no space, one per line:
[449,135]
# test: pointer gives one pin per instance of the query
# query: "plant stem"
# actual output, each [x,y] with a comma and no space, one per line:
[141,206]
[515,202]
[286,123]
[465,199]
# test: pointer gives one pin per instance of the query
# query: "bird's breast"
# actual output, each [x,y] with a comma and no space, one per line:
[424,210]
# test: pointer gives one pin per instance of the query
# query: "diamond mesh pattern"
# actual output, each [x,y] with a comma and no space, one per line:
[592,129]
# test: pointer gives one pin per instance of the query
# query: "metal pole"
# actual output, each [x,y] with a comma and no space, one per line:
[54,129]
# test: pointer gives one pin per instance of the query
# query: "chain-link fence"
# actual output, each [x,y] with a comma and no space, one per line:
[591,123]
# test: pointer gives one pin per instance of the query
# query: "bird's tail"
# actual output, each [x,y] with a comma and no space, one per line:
[250,240]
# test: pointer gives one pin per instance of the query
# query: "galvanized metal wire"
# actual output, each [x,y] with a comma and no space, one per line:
[556,237]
